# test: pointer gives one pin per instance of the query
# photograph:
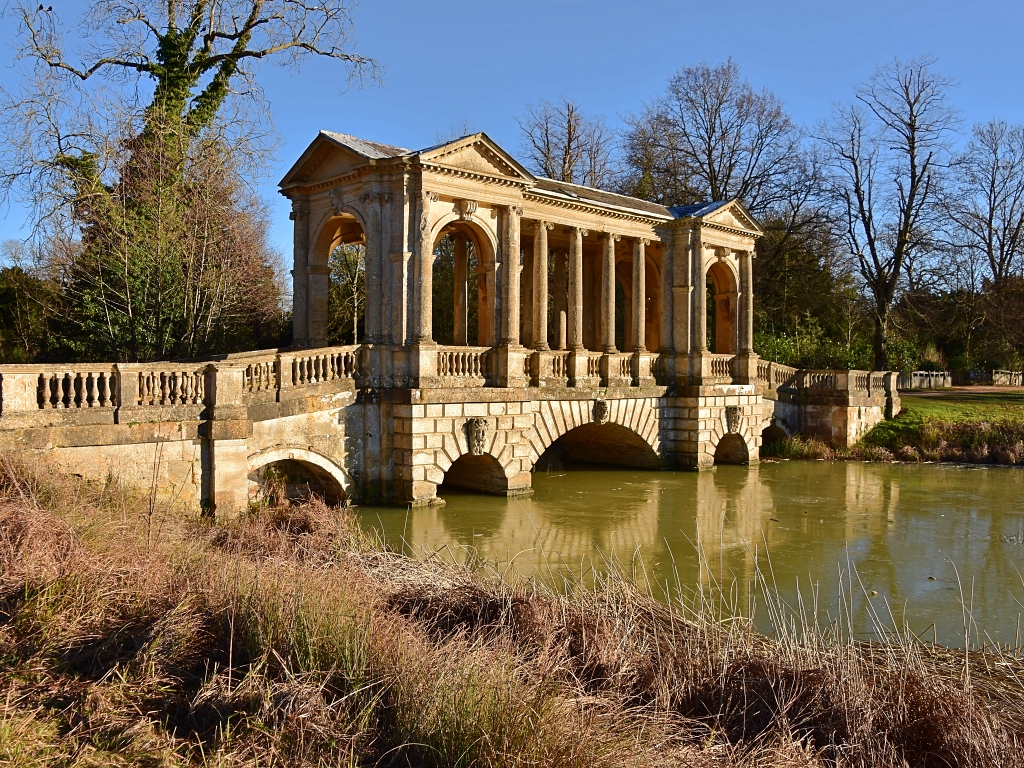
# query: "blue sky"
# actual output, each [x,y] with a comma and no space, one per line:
[482,62]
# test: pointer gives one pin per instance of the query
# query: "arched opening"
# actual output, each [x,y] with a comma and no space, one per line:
[337,283]
[722,309]
[456,296]
[731,450]
[773,434]
[603,444]
[476,473]
[292,481]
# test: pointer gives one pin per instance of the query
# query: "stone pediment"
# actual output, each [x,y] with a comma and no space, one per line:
[477,154]
[334,154]
[734,216]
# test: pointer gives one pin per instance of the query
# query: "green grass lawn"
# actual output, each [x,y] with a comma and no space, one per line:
[966,406]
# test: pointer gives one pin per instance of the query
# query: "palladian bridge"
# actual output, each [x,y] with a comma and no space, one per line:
[606,329]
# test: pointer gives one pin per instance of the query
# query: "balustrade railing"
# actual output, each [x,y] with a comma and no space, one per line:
[261,376]
[721,366]
[322,365]
[77,387]
[463,362]
[593,364]
[163,385]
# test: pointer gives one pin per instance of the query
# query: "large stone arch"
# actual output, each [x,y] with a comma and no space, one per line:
[555,418]
[319,463]
[487,245]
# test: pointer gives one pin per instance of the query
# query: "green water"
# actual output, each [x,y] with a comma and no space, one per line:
[921,536]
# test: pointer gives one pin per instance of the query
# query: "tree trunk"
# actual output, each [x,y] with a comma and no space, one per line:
[880,346]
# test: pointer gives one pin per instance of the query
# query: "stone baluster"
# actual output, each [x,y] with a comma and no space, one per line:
[540,286]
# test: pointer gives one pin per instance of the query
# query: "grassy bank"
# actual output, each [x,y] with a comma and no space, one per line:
[132,635]
[959,426]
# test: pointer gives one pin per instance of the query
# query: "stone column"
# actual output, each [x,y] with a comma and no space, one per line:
[461,290]
[558,309]
[424,311]
[639,294]
[510,271]
[667,270]
[540,286]
[399,291]
[575,298]
[746,345]
[373,300]
[700,291]
[300,274]
[608,294]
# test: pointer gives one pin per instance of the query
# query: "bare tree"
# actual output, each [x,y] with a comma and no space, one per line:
[986,204]
[711,136]
[562,143]
[888,154]
[136,143]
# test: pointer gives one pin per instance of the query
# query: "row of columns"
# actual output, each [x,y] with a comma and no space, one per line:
[683,301]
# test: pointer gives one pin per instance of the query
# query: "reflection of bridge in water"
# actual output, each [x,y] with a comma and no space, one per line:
[902,529]
[619,329]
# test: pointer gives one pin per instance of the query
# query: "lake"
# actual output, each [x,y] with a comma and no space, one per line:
[934,541]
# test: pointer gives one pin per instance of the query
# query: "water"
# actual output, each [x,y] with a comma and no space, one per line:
[918,535]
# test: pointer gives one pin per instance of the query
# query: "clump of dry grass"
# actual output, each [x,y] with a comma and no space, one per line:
[132,636]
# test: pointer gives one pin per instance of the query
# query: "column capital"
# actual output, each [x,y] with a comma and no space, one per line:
[539,225]
[644,241]
[516,210]
[582,232]
[300,207]
[429,197]
[612,236]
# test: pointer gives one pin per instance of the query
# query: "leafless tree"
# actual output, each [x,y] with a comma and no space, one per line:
[564,144]
[711,136]
[888,154]
[986,203]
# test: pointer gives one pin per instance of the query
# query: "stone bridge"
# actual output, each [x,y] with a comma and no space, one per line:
[608,329]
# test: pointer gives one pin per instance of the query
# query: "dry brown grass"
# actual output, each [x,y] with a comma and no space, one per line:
[133,636]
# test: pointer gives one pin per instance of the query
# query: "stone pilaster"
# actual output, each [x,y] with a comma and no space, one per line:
[639,295]
[424,311]
[300,276]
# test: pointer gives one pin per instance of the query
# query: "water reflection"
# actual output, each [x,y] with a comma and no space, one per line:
[908,531]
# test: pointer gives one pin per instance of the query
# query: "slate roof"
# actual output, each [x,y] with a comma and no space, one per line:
[377,151]
[371,149]
[697,209]
[599,196]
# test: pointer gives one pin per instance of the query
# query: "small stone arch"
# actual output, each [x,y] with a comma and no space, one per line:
[732,441]
[334,484]
[334,214]
[474,472]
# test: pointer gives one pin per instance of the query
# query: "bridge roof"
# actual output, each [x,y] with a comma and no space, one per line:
[496,160]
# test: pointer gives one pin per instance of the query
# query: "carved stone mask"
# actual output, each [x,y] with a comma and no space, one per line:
[600,412]
[476,431]
[733,418]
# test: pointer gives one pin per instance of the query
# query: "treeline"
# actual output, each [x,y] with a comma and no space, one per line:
[134,135]
[894,235]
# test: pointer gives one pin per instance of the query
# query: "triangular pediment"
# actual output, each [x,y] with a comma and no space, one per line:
[334,154]
[477,154]
[734,216]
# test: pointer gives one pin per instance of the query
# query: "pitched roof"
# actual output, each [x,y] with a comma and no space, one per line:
[697,209]
[371,149]
[599,196]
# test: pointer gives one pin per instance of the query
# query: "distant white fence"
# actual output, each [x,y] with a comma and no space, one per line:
[924,380]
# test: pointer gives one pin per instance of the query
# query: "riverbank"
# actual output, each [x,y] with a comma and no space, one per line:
[132,635]
[965,425]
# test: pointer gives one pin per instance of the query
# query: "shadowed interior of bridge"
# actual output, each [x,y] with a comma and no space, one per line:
[293,481]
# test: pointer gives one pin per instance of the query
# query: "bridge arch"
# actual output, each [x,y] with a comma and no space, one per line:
[625,432]
[300,467]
